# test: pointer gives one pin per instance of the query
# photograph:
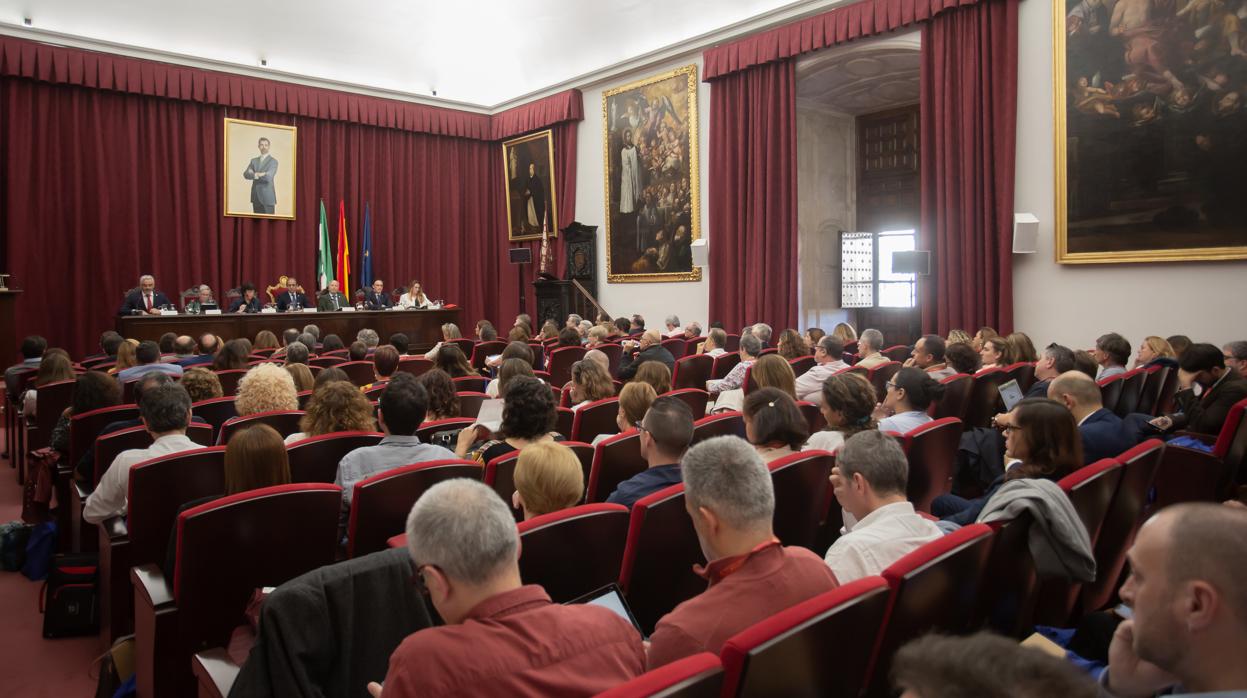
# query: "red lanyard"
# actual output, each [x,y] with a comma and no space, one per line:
[717,573]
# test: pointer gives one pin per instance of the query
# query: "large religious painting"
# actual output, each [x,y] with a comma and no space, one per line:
[652,201]
[259,169]
[528,176]
[1151,130]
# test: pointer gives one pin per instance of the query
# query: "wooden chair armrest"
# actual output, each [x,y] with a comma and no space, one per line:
[115,528]
[150,586]
[215,672]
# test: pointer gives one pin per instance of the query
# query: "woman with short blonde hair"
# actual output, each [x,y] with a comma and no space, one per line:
[266,388]
[548,478]
[844,332]
[634,401]
[1155,349]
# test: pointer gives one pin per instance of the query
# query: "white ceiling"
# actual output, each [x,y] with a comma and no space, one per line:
[481,52]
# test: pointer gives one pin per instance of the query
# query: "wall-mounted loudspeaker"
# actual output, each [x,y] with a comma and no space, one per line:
[701,252]
[1025,233]
[913,262]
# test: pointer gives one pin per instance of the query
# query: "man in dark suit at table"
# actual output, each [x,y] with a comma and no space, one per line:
[377,298]
[332,299]
[248,302]
[144,300]
[292,299]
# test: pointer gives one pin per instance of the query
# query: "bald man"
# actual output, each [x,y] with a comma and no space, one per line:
[1103,435]
[1189,601]
[650,348]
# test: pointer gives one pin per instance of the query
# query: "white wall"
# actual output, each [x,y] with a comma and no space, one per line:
[826,204]
[689,300]
[1074,304]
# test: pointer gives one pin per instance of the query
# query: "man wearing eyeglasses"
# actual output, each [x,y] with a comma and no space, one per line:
[666,431]
[1236,357]
[501,637]
[829,358]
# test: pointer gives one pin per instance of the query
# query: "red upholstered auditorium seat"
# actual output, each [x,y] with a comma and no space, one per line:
[814,419]
[724,363]
[361,373]
[472,384]
[695,398]
[470,402]
[692,371]
[931,450]
[85,428]
[380,503]
[733,343]
[225,552]
[820,647]
[880,375]
[801,364]
[657,571]
[1110,391]
[500,475]
[955,401]
[326,361]
[374,393]
[560,363]
[1023,372]
[564,419]
[315,459]
[615,459]
[985,400]
[722,424]
[229,380]
[574,551]
[484,350]
[1131,392]
[614,354]
[109,446]
[676,346]
[465,345]
[698,676]
[749,384]
[1187,474]
[415,365]
[1006,603]
[428,429]
[800,482]
[215,411]
[286,422]
[1153,381]
[1121,521]
[595,418]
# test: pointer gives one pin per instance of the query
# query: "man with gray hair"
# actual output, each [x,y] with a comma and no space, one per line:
[370,338]
[309,341]
[673,327]
[1235,354]
[828,360]
[729,496]
[750,349]
[297,353]
[763,332]
[573,321]
[312,330]
[692,330]
[869,344]
[501,637]
[880,525]
[144,300]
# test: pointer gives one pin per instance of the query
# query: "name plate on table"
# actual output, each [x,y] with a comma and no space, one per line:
[348,309]
[309,310]
[213,312]
[168,312]
[268,310]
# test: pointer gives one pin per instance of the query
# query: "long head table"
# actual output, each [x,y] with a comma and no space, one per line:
[422,327]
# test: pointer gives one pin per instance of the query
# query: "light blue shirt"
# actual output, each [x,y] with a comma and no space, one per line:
[905,421]
[390,452]
[136,372]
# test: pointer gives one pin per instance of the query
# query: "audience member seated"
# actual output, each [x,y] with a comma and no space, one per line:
[1179,343]
[296,353]
[963,358]
[812,336]
[750,349]
[729,496]
[166,412]
[302,375]
[450,331]
[1021,348]
[868,347]
[1220,387]
[329,375]
[184,349]
[401,413]
[1042,436]
[1102,432]
[84,471]
[201,384]
[928,355]
[635,399]
[596,356]
[774,371]
[844,332]
[254,458]
[507,372]
[54,367]
[881,526]
[773,424]
[692,330]
[232,356]
[762,331]
[125,356]
[666,431]
[209,346]
[656,374]
[569,337]
[910,392]
[369,337]
[308,339]
[1236,357]
[336,406]
[520,333]
[332,343]
[450,359]
[995,353]
[265,388]
[984,666]
[358,351]
[499,638]
[384,363]
[636,354]
[981,337]
[1111,353]
[528,415]
[1155,351]
[590,383]
[92,390]
[513,350]
[1085,362]
[1189,606]
[958,337]
[673,327]
[248,301]
[549,331]
[443,399]
[486,332]
[848,406]
[1054,361]
[265,339]
[166,343]
[596,337]
[548,478]
[791,345]
[623,326]
[714,345]
[828,354]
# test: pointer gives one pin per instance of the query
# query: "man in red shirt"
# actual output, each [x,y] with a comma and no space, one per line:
[500,637]
[729,496]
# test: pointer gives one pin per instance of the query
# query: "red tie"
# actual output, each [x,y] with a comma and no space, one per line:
[148,300]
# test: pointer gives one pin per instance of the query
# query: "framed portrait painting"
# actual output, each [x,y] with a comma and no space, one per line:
[652,190]
[1151,130]
[528,175]
[259,169]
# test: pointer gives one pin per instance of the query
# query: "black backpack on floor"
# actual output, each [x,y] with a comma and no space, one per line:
[70,599]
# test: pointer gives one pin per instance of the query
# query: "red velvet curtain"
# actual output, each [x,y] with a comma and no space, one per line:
[969,110]
[753,196]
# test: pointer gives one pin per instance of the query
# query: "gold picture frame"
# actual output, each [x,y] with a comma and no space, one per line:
[256,186]
[653,212]
[1131,123]
[525,212]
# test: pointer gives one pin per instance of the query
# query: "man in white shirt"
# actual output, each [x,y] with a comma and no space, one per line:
[881,527]
[166,411]
[715,342]
[828,354]
[928,355]
[673,327]
[868,346]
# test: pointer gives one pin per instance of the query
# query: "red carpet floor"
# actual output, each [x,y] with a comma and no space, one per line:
[30,666]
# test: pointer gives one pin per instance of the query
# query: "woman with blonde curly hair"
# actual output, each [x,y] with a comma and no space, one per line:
[958,337]
[336,406]
[590,382]
[201,384]
[792,345]
[266,388]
